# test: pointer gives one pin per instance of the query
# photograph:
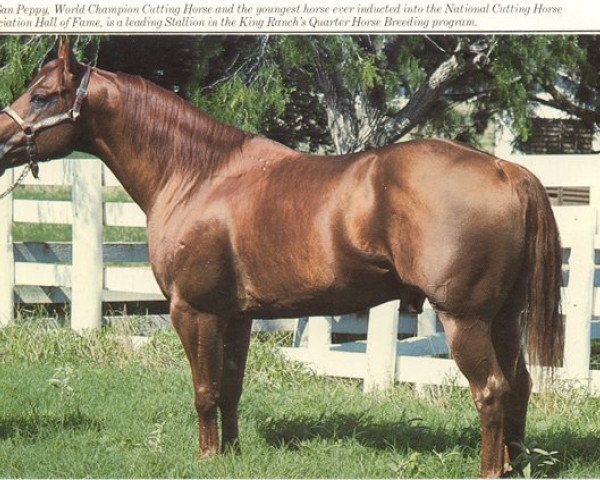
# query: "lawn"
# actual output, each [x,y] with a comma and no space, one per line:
[91,406]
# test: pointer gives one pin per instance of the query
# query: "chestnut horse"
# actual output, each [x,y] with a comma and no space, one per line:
[241,227]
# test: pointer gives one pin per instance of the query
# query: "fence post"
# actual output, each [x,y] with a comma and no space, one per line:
[7,260]
[87,269]
[579,297]
[319,335]
[595,202]
[382,336]
[427,321]
[300,332]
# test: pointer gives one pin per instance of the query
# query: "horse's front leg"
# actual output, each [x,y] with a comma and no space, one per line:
[236,340]
[202,337]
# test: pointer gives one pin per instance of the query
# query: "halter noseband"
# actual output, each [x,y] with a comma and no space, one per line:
[30,130]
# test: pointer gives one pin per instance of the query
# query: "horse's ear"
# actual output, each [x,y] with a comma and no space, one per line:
[66,54]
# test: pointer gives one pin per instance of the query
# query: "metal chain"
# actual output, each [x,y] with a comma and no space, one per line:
[18,181]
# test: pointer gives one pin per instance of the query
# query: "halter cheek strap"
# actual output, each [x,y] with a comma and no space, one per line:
[30,130]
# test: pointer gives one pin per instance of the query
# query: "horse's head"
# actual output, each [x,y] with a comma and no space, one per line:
[41,123]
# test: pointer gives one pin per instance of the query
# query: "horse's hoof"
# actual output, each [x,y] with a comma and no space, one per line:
[207,454]
[232,448]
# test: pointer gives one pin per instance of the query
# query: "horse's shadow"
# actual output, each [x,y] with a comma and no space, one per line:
[572,445]
[399,434]
[36,425]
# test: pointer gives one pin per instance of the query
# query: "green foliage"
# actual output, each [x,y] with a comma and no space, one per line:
[407,64]
[390,69]
[522,65]
[237,81]
[455,123]
[356,64]
[20,58]
[295,52]
[271,84]
[535,462]
[245,104]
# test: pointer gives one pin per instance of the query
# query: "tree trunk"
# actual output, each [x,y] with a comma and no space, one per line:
[341,117]
[417,108]
[356,123]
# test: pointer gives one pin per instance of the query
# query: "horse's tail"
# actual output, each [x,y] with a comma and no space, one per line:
[542,318]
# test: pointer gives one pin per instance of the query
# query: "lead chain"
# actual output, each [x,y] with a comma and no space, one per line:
[31,166]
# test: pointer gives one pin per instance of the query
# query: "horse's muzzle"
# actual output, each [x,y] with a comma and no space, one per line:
[10,157]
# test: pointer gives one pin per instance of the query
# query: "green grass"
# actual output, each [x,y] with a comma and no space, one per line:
[63,193]
[90,406]
[29,232]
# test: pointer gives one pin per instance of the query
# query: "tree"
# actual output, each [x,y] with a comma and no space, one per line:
[576,91]
[344,93]
[372,90]
[167,60]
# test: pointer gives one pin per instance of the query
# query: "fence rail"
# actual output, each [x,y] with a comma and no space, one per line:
[88,272]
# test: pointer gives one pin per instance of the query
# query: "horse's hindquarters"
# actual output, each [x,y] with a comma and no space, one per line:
[458,235]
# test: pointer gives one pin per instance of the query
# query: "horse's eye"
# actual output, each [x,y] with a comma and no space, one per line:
[39,99]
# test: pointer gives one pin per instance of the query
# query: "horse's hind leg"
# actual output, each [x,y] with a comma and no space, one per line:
[202,339]
[236,340]
[506,337]
[470,341]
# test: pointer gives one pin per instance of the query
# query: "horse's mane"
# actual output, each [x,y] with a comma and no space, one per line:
[171,132]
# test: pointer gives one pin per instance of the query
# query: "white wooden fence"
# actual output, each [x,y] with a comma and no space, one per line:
[88,270]
[79,269]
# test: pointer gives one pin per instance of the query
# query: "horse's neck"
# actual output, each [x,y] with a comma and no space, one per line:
[149,137]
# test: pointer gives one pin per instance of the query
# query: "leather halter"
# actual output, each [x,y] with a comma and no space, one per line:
[30,130]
